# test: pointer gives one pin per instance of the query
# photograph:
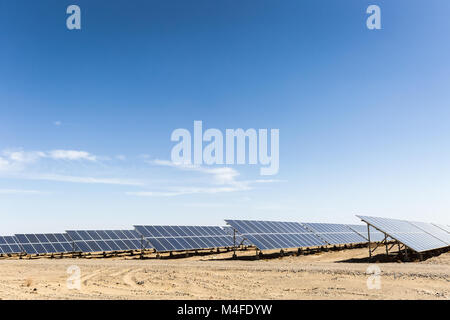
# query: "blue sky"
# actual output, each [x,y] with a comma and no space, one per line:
[86,116]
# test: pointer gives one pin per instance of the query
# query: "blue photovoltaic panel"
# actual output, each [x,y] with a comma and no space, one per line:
[375,235]
[276,234]
[406,233]
[181,238]
[334,233]
[433,230]
[41,243]
[107,240]
[9,245]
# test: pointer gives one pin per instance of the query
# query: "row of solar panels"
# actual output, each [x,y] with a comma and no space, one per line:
[418,236]
[161,238]
[263,234]
[72,241]
[267,235]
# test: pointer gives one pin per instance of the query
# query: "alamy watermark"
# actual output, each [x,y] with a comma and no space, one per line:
[374,280]
[373,22]
[74,280]
[233,149]
[73,22]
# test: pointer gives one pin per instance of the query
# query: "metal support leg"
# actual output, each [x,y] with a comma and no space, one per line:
[234,243]
[386,244]
[368,235]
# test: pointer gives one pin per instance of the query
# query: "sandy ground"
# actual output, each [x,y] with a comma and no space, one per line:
[320,276]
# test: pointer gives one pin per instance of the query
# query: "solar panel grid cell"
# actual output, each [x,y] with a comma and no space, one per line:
[334,233]
[9,245]
[433,230]
[106,240]
[443,227]
[178,238]
[275,234]
[44,243]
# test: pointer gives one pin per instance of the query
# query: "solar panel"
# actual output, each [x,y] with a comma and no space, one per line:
[181,238]
[406,233]
[41,243]
[107,240]
[239,238]
[276,235]
[9,245]
[334,233]
[433,230]
[443,227]
[375,235]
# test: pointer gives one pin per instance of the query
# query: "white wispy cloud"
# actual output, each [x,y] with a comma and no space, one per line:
[188,190]
[19,164]
[262,181]
[222,175]
[20,156]
[121,157]
[224,180]
[71,155]
[19,191]
[4,164]
[23,157]
[91,180]
[7,165]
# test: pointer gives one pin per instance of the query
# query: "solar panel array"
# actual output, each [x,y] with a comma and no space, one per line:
[276,235]
[107,240]
[419,236]
[406,233]
[334,233]
[181,238]
[375,235]
[41,243]
[9,245]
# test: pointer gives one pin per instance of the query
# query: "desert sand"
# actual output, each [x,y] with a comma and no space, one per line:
[327,275]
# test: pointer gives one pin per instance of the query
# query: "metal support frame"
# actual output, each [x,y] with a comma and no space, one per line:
[234,243]
[392,246]
[401,246]
[386,244]
[142,247]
